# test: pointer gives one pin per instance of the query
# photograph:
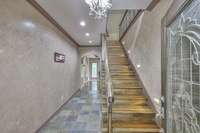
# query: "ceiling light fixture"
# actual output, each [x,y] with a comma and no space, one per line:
[87,34]
[90,42]
[82,23]
[99,8]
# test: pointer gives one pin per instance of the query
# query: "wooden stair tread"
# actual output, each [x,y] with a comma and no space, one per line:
[124,81]
[127,87]
[128,130]
[114,47]
[133,109]
[126,102]
[127,91]
[129,110]
[121,74]
[130,97]
[124,97]
[124,77]
[117,55]
[121,71]
[134,124]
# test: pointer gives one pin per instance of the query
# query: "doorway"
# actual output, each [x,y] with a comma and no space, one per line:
[94,68]
[181,67]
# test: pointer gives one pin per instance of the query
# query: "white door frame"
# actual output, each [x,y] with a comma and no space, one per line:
[94,60]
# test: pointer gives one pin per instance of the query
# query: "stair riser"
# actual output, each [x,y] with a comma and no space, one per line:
[133,86]
[117,55]
[117,47]
[121,77]
[114,131]
[127,98]
[115,67]
[120,115]
[136,131]
[113,43]
[117,58]
[123,74]
[122,69]
[118,67]
[120,92]
[124,81]
[124,102]
[110,51]
[127,93]
[119,63]
[125,118]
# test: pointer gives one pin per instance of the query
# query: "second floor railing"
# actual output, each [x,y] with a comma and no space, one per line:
[128,19]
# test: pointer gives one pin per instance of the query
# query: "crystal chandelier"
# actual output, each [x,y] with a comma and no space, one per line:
[99,8]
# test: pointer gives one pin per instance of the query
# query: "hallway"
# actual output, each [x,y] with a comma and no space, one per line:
[100,66]
[82,114]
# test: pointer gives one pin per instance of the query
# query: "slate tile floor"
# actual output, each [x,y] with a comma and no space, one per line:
[82,114]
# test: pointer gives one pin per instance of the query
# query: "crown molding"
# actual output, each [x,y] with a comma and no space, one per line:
[152,4]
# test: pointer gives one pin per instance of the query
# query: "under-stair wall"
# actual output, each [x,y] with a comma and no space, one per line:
[143,43]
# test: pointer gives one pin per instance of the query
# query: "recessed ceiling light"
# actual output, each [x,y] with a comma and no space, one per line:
[87,34]
[82,23]
[90,42]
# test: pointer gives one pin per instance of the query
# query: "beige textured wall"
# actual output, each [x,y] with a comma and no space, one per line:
[90,51]
[144,42]
[32,86]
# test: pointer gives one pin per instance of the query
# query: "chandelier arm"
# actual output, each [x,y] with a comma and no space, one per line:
[99,8]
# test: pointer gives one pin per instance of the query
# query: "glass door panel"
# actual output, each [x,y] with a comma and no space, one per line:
[94,70]
[183,72]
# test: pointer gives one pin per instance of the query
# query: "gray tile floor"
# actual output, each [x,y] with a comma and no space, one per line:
[82,114]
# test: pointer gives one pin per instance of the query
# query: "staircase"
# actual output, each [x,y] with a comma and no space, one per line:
[130,112]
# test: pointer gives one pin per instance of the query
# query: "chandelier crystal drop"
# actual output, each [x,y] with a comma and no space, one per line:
[99,8]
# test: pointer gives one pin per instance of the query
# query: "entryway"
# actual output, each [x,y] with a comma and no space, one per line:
[94,68]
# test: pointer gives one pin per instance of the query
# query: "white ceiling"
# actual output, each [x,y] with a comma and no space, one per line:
[130,4]
[69,13]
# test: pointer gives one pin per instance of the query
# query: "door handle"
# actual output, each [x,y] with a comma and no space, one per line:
[162,109]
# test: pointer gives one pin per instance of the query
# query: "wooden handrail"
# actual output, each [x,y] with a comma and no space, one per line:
[123,17]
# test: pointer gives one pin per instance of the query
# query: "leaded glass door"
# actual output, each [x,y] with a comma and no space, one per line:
[182,87]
